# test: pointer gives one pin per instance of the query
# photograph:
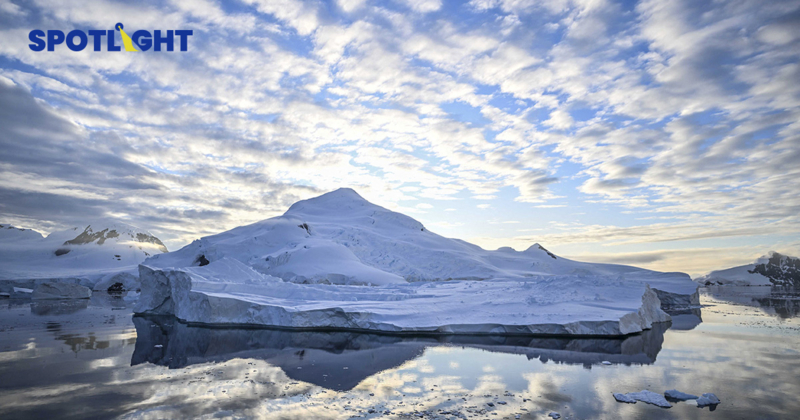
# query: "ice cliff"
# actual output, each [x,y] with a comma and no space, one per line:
[338,261]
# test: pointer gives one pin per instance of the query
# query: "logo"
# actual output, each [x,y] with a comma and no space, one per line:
[78,40]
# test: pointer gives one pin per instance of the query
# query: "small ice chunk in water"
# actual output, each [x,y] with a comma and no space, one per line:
[554,415]
[679,396]
[624,398]
[158,346]
[707,399]
[605,362]
[644,396]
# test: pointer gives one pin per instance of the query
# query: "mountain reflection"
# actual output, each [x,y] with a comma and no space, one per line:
[340,360]
[781,301]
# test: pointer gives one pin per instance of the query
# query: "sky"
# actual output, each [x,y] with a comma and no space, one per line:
[661,134]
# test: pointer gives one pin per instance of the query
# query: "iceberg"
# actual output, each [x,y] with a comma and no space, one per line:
[674,394]
[228,292]
[338,261]
[644,396]
[707,399]
[61,291]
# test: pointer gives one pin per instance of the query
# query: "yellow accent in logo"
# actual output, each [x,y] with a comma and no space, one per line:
[126,40]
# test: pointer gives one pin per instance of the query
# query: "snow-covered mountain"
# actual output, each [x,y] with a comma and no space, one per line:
[92,250]
[338,261]
[773,269]
[341,238]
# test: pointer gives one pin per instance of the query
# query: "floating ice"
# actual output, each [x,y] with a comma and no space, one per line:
[707,399]
[644,396]
[61,291]
[679,396]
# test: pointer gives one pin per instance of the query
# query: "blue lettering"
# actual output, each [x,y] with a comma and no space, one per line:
[111,45]
[97,37]
[142,39]
[54,37]
[184,35]
[78,40]
[81,36]
[169,40]
[38,42]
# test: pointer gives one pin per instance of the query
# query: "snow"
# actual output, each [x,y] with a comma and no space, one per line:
[707,399]
[338,261]
[545,305]
[736,276]
[340,238]
[61,291]
[784,269]
[120,281]
[676,395]
[644,396]
[77,255]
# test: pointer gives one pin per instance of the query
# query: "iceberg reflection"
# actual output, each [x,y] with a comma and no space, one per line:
[340,360]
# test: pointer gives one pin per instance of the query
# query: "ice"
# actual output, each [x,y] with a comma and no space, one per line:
[338,261]
[707,399]
[61,291]
[340,238]
[679,396]
[17,293]
[624,398]
[554,415]
[644,396]
[117,282]
[83,255]
[768,270]
[555,305]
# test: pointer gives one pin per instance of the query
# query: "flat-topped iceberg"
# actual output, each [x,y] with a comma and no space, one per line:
[338,261]
[228,292]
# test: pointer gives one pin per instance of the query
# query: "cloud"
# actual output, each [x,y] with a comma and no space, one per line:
[643,108]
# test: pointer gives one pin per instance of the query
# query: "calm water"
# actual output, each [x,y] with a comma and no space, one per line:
[92,359]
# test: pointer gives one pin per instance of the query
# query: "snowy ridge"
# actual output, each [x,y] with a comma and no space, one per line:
[773,269]
[78,254]
[340,238]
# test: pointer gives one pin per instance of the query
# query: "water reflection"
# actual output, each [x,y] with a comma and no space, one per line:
[341,360]
[79,365]
[58,307]
[685,319]
[783,302]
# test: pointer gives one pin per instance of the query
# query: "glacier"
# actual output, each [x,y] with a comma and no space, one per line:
[338,261]
[772,269]
[105,251]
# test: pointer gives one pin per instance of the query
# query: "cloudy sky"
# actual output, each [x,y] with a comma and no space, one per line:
[664,134]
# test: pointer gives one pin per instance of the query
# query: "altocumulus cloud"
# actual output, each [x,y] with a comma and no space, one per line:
[682,112]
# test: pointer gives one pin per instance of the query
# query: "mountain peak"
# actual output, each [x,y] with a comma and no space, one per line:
[536,248]
[337,201]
